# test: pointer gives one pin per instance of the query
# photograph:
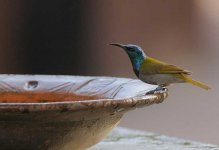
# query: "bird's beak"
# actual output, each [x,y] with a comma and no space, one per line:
[118,45]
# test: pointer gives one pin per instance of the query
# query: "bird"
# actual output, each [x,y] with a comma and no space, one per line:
[156,72]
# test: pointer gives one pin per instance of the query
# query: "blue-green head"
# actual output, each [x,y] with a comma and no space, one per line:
[135,53]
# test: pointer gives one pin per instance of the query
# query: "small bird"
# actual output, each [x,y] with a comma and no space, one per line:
[156,72]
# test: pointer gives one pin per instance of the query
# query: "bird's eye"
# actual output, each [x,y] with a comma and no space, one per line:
[131,49]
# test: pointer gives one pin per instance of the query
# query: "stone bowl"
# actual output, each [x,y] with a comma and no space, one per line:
[46,112]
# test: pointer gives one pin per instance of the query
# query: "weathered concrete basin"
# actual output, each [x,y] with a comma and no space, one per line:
[127,139]
[65,112]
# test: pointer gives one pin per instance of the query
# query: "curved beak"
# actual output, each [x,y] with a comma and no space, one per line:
[118,45]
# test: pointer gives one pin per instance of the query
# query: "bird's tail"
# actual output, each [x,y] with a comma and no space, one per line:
[196,83]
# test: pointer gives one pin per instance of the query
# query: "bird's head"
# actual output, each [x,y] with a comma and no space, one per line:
[134,51]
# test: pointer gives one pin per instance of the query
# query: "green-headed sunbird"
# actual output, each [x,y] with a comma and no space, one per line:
[156,72]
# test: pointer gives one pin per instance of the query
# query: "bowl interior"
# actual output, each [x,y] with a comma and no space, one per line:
[48,88]
[42,97]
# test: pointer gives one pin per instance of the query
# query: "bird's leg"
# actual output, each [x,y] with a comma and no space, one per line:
[159,89]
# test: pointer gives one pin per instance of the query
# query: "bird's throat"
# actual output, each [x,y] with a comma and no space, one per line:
[136,63]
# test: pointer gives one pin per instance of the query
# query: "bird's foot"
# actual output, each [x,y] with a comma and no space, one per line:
[159,89]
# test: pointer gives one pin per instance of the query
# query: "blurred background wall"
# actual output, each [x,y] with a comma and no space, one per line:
[71,37]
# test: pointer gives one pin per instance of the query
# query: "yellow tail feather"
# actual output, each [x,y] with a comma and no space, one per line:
[197,83]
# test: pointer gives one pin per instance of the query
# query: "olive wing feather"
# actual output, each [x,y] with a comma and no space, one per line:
[153,66]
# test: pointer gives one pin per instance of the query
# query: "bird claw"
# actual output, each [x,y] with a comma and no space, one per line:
[158,90]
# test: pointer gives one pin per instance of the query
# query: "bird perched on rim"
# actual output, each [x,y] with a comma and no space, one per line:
[156,72]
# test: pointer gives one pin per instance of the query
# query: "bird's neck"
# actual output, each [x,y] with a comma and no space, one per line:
[136,63]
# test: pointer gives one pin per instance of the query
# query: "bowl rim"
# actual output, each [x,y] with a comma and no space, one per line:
[136,102]
[132,102]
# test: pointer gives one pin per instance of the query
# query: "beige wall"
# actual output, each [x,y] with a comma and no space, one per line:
[181,32]
[13,21]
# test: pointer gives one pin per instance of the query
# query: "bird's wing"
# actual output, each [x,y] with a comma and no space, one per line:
[153,66]
[173,69]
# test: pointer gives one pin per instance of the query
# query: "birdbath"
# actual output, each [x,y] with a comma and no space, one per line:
[45,112]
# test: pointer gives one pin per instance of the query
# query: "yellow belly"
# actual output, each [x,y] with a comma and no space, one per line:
[161,79]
